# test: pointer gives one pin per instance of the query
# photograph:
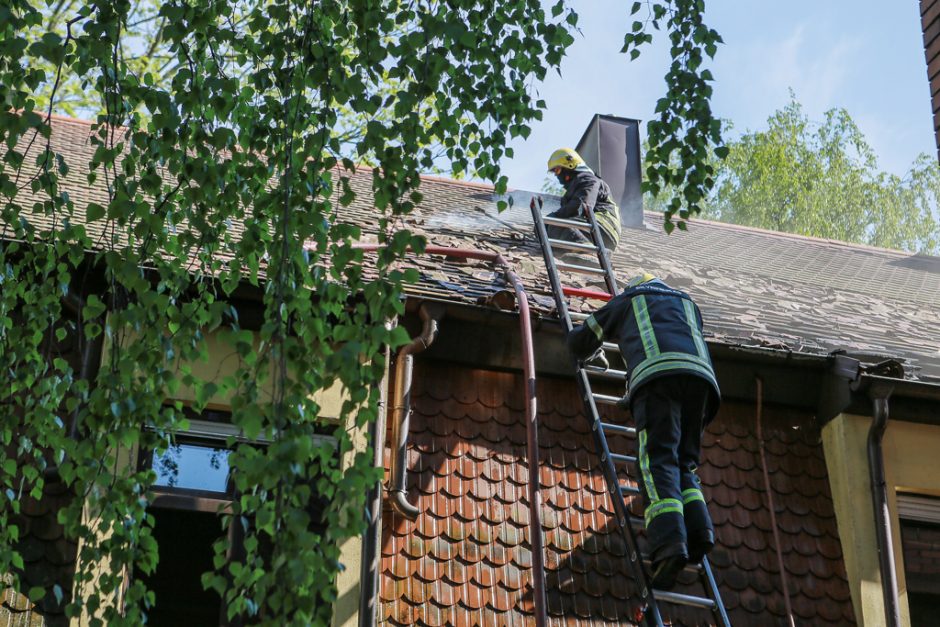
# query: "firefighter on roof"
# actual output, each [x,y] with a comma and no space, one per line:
[583,187]
[673,395]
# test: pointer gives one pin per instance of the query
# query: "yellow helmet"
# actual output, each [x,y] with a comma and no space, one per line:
[646,277]
[565,158]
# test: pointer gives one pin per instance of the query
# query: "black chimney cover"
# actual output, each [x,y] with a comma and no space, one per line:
[611,147]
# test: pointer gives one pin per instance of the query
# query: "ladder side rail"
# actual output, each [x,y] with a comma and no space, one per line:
[708,580]
[549,258]
[609,277]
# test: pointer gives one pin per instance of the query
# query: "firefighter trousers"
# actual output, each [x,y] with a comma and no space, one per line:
[669,413]
[577,235]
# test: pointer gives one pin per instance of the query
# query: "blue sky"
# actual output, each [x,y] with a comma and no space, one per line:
[862,55]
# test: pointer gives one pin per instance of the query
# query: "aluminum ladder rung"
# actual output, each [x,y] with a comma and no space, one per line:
[612,428]
[683,599]
[561,243]
[624,459]
[611,346]
[573,267]
[606,399]
[605,373]
[574,224]
[629,489]
[577,316]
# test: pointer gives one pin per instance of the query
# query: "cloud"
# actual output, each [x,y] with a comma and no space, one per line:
[755,76]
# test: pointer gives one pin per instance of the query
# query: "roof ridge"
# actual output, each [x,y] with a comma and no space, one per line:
[437,178]
[67,118]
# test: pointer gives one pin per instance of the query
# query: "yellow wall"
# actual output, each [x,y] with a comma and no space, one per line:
[221,363]
[124,458]
[910,458]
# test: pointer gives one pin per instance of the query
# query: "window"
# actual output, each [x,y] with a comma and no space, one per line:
[193,486]
[920,544]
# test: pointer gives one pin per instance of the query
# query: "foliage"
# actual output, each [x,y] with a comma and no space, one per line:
[142,46]
[232,170]
[686,133]
[550,185]
[225,138]
[822,179]
[146,50]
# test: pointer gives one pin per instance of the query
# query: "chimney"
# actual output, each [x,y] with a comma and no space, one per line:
[611,147]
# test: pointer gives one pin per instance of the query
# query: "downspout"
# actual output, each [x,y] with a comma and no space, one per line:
[369,571]
[889,582]
[770,504]
[401,416]
[532,448]
[90,352]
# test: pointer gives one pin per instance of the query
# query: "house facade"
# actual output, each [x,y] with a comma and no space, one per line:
[814,341]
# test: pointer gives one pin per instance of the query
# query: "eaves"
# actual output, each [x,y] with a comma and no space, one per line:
[825,384]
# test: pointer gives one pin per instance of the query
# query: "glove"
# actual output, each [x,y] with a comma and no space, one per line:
[598,359]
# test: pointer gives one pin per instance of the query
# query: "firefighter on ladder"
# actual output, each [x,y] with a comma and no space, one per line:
[673,394]
[583,187]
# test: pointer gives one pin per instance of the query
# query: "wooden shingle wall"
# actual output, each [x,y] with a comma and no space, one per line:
[930,22]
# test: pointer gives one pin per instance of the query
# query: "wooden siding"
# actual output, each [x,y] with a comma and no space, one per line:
[466,559]
[930,23]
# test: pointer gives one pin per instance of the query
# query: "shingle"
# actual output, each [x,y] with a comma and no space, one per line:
[482,558]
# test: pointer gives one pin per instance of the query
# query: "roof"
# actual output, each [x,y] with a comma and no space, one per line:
[466,559]
[754,287]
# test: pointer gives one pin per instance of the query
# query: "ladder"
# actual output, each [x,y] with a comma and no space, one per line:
[630,526]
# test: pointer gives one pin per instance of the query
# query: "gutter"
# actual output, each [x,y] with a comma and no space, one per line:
[532,449]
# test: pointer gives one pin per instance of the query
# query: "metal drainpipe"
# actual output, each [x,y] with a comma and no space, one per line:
[401,417]
[770,504]
[532,447]
[889,581]
[90,351]
[369,572]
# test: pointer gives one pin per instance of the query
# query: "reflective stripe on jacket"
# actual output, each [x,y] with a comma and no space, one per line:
[658,329]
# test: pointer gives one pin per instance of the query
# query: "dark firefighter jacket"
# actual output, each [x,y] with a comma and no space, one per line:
[584,187]
[658,329]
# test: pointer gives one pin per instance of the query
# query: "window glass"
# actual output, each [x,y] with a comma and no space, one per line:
[192,466]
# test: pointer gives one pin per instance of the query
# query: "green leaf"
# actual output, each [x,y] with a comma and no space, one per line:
[94,212]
